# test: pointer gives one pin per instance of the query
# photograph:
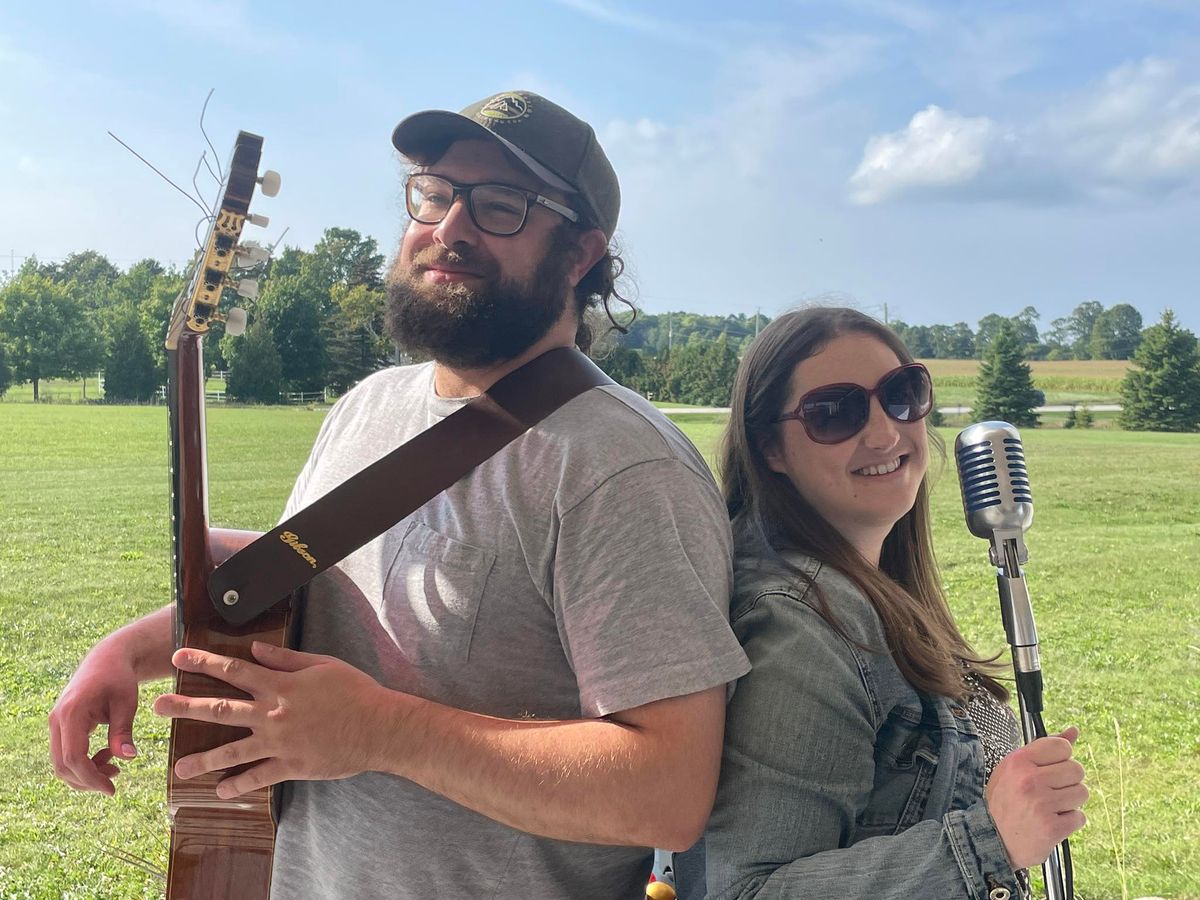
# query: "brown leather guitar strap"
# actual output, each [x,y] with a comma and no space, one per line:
[368,504]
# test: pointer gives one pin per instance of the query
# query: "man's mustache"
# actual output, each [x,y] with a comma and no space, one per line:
[440,257]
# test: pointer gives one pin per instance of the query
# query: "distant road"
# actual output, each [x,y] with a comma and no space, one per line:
[945,410]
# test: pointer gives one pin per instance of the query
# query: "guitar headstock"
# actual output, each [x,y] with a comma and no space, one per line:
[199,303]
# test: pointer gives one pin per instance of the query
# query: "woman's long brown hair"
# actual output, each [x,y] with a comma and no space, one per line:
[769,515]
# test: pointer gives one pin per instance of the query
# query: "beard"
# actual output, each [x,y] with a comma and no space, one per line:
[475,327]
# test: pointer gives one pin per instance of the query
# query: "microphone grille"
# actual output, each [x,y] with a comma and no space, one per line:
[993,477]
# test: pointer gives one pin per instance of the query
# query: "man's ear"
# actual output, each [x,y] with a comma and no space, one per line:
[589,250]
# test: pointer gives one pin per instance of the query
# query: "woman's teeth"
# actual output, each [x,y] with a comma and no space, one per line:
[885,469]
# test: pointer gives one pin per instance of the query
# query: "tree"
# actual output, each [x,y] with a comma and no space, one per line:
[255,370]
[625,367]
[1075,331]
[952,341]
[986,332]
[1161,391]
[702,373]
[343,256]
[5,372]
[130,374]
[355,342]
[48,332]
[1005,385]
[292,307]
[1116,333]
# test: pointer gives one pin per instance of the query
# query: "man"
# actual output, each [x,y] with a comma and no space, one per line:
[524,685]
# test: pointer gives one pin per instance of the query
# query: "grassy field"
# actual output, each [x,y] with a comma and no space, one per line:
[1115,576]
[1063,381]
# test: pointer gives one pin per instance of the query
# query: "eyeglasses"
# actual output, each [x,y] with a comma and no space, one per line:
[834,413]
[498,209]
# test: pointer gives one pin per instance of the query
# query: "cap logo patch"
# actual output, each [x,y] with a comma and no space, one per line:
[505,108]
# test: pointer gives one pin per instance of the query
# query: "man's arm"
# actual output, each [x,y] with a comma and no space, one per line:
[643,777]
[104,690]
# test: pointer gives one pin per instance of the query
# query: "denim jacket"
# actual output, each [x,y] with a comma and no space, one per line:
[838,779]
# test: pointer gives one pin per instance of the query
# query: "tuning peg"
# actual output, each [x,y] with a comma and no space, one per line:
[256,219]
[247,287]
[235,321]
[249,255]
[269,182]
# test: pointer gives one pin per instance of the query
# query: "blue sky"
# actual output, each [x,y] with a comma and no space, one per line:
[945,159]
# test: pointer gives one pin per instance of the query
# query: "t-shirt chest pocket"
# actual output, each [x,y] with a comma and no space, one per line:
[432,593]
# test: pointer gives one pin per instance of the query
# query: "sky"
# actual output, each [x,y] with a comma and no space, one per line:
[931,162]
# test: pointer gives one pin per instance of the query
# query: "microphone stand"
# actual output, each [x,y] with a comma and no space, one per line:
[1007,552]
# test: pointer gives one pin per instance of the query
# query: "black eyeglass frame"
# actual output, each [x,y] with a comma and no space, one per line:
[877,391]
[466,192]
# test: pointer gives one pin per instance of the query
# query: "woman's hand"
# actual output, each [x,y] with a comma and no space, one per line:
[1034,797]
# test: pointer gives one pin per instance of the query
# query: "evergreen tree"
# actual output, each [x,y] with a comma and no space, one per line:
[1161,391]
[1005,389]
[255,370]
[130,373]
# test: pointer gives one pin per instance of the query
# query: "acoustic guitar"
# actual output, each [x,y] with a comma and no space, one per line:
[219,848]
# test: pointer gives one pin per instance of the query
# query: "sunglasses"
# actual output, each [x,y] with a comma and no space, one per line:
[834,413]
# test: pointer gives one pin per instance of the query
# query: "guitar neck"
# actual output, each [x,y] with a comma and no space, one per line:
[190,549]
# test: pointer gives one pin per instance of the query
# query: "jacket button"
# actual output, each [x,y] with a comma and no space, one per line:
[999,893]
[959,713]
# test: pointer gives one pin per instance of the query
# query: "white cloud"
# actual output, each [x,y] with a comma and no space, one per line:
[938,149]
[1136,134]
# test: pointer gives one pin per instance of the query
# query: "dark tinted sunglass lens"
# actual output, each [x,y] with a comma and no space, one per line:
[498,209]
[907,395]
[835,415]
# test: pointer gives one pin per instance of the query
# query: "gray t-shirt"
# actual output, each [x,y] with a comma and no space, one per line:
[582,570]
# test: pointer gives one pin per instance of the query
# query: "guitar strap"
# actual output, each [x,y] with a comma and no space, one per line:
[364,506]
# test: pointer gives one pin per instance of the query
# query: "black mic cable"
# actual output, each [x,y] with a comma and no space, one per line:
[998,505]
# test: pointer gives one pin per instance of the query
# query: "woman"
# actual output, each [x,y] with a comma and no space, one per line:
[869,753]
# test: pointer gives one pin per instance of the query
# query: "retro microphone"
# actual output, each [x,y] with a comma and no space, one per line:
[998,505]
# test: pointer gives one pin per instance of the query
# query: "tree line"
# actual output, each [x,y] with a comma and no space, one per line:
[1091,331]
[1160,392]
[318,325]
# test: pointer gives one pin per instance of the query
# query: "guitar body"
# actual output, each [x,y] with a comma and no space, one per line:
[219,848]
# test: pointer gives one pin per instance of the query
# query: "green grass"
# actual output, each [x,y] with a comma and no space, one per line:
[1115,577]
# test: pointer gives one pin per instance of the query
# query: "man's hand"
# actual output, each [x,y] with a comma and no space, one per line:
[311,717]
[103,691]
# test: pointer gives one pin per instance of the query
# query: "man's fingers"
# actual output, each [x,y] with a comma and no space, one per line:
[283,659]
[120,728]
[218,710]
[1071,734]
[270,772]
[102,760]
[77,768]
[237,672]
[236,753]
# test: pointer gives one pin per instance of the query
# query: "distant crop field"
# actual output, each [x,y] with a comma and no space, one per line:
[1114,573]
[1079,382]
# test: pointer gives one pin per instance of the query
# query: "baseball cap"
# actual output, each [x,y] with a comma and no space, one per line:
[553,144]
